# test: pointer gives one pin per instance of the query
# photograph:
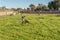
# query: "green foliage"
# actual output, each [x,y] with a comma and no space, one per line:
[55,5]
[41,7]
[32,6]
[41,27]
[19,9]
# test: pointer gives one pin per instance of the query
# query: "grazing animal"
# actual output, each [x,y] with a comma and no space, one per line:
[24,21]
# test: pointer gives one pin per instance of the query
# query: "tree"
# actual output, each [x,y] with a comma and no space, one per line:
[40,7]
[58,2]
[14,9]
[18,9]
[4,8]
[32,6]
[53,5]
[28,9]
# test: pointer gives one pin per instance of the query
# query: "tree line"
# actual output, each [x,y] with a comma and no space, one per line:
[52,5]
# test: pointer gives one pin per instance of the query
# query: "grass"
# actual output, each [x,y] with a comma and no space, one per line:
[41,27]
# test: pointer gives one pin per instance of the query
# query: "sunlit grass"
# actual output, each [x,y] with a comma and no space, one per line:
[41,27]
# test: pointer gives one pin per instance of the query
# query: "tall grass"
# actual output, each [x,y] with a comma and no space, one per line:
[41,27]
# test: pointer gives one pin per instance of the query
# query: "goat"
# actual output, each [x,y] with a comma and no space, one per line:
[24,21]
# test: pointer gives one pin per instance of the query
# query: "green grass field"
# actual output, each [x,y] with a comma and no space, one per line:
[41,27]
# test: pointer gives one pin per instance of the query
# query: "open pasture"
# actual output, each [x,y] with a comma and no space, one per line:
[41,27]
